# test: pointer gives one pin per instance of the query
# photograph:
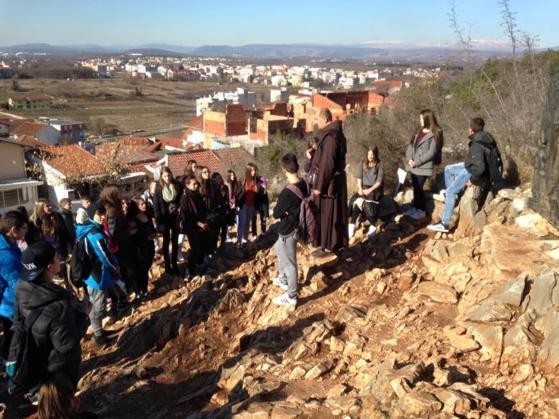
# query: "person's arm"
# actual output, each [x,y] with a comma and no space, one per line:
[428,156]
[282,205]
[475,162]
[63,333]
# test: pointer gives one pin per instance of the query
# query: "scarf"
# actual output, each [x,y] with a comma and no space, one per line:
[169,193]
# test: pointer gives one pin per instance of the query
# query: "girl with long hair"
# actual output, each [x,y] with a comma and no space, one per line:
[422,154]
[58,401]
[142,233]
[246,201]
[221,200]
[206,190]
[47,224]
[166,205]
[370,183]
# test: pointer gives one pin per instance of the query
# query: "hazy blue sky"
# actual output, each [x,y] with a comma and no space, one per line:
[232,22]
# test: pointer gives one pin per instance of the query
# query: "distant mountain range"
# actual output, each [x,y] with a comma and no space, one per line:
[265,51]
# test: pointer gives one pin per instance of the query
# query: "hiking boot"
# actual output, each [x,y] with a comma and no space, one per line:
[440,228]
[285,300]
[278,282]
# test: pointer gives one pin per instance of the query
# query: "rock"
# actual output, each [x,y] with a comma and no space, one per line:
[336,344]
[297,373]
[508,194]
[438,292]
[534,223]
[491,340]
[461,342]
[381,287]
[490,312]
[319,282]
[438,250]
[460,250]
[548,356]
[374,275]
[522,373]
[230,377]
[455,402]
[419,405]
[284,410]
[543,293]
[519,341]
[405,282]
[337,391]
[318,370]
[511,293]
[232,298]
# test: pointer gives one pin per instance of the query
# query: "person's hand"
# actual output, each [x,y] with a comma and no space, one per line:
[360,191]
[469,183]
[316,192]
[308,153]
[201,225]
[411,163]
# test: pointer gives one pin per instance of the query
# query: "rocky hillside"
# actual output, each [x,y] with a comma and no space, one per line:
[409,324]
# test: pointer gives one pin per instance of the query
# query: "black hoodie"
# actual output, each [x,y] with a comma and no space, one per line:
[57,330]
[480,143]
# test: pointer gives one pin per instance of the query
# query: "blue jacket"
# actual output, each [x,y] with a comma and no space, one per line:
[104,264]
[10,273]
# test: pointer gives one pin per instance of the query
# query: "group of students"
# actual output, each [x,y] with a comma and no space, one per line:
[118,236]
[203,207]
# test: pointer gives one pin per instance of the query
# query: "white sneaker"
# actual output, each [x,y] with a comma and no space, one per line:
[441,228]
[351,230]
[418,215]
[372,231]
[279,283]
[284,300]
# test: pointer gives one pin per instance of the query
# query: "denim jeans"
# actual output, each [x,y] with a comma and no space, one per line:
[245,218]
[456,177]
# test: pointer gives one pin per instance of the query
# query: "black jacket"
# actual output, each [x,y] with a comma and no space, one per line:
[58,329]
[480,143]
[288,207]
[192,210]
[68,218]
[166,212]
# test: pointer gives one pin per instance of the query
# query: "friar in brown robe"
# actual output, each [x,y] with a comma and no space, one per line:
[330,183]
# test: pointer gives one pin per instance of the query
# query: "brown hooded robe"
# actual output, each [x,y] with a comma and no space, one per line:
[330,180]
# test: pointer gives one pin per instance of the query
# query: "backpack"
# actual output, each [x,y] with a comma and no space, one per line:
[81,262]
[307,229]
[28,361]
[494,166]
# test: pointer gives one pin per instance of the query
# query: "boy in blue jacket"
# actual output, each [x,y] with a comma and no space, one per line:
[104,271]
[13,227]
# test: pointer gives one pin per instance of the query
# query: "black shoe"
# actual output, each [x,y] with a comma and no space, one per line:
[101,340]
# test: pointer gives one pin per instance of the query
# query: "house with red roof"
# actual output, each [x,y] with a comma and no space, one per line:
[42,132]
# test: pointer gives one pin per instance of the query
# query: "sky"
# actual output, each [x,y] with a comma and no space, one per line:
[233,22]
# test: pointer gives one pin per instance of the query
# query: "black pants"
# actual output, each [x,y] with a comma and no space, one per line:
[262,223]
[140,272]
[369,212]
[170,233]
[197,242]
[6,326]
[418,194]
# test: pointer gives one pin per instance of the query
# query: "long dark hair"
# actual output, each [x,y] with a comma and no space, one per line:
[165,169]
[57,400]
[205,184]
[112,201]
[188,168]
[248,175]
[376,159]
[430,122]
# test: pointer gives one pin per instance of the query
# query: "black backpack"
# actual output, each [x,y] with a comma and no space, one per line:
[81,262]
[308,227]
[30,361]
[494,165]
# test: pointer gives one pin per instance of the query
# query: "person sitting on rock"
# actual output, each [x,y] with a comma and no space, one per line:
[472,171]
[370,181]
[287,210]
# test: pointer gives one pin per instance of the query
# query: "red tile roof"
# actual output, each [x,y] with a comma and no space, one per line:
[29,128]
[196,123]
[171,142]
[72,161]
[30,141]
[135,140]
[127,154]
[216,160]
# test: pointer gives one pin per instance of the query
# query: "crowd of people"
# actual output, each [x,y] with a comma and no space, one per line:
[109,246]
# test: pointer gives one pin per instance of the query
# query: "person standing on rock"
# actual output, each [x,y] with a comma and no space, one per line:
[422,155]
[472,171]
[329,186]
[287,210]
